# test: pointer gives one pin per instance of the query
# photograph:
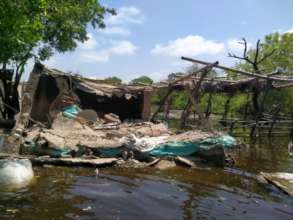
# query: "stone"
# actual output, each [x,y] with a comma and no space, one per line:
[165,164]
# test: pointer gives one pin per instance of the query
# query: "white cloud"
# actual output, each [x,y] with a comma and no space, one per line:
[289,31]
[126,14]
[123,47]
[116,31]
[192,45]
[235,45]
[90,44]
[119,48]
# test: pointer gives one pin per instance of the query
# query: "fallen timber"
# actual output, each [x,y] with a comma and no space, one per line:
[255,75]
[283,181]
[45,160]
[198,83]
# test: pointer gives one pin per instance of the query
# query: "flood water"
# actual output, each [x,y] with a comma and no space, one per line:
[179,193]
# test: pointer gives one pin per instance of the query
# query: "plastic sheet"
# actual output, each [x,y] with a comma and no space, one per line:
[71,111]
[189,148]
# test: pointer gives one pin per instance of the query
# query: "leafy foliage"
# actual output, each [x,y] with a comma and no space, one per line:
[38,28]
[113,80]
[142,79]
[45,24]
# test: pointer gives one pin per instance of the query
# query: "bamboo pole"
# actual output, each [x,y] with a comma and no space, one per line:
[162,103]
[207,67]
[240,71]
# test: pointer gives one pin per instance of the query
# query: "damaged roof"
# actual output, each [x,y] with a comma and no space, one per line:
[96,86]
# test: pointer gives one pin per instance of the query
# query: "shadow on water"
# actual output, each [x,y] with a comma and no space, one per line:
[179,193]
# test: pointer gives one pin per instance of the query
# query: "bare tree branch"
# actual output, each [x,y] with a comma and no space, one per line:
[256,53]
[244,56]
[245,47]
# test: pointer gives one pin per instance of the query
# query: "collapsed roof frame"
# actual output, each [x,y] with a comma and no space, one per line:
[194,85]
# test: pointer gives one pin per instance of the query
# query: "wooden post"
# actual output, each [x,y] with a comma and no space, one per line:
[194,101]
[226,110]
[185,113]
[146,108]
[167,107]
[162,103]
[209,106]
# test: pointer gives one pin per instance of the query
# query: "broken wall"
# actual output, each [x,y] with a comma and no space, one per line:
[45,87]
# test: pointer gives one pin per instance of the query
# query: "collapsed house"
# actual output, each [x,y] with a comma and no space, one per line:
[50,89]
[64,115]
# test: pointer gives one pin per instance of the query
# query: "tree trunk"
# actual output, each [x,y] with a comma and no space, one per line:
[9,95]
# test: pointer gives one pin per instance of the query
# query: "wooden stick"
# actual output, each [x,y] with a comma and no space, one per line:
[194,102]
[207,67]
[83,162]
[161,103]
[240,71]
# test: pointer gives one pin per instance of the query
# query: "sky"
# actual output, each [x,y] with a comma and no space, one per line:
[148,37]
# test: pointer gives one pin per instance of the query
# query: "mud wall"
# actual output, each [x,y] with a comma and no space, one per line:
[45,94]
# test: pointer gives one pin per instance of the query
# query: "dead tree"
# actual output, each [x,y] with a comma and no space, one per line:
[255,61]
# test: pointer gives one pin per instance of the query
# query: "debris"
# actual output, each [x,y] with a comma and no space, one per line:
[87,208]
[152,163]
[31,148]
[165,164]
[98,162]
[89,116]
[283,181]
[186,144]
[71,111]
[112,118]
[143,144]
[185,161]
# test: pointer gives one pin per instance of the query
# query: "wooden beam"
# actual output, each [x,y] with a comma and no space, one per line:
[194,102]
[82,162]
[207,67]
[146,107]
[283,79]
[161,103]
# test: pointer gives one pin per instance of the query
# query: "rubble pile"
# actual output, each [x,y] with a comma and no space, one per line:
[71,137]
[66,116]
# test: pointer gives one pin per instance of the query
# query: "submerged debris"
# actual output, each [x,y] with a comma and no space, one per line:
[283,181]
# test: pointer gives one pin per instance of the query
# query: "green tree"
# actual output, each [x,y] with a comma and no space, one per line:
[279,47]
[142,79]
[275,55]
[113,80]
[36,29]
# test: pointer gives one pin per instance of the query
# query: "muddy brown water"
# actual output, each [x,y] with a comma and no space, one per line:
[180,193]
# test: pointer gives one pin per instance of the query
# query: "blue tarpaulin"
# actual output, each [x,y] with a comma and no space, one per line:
[71,111]
[183,148]
[191,147]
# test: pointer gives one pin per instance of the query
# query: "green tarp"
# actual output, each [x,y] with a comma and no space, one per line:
[189,148]
[181,148]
